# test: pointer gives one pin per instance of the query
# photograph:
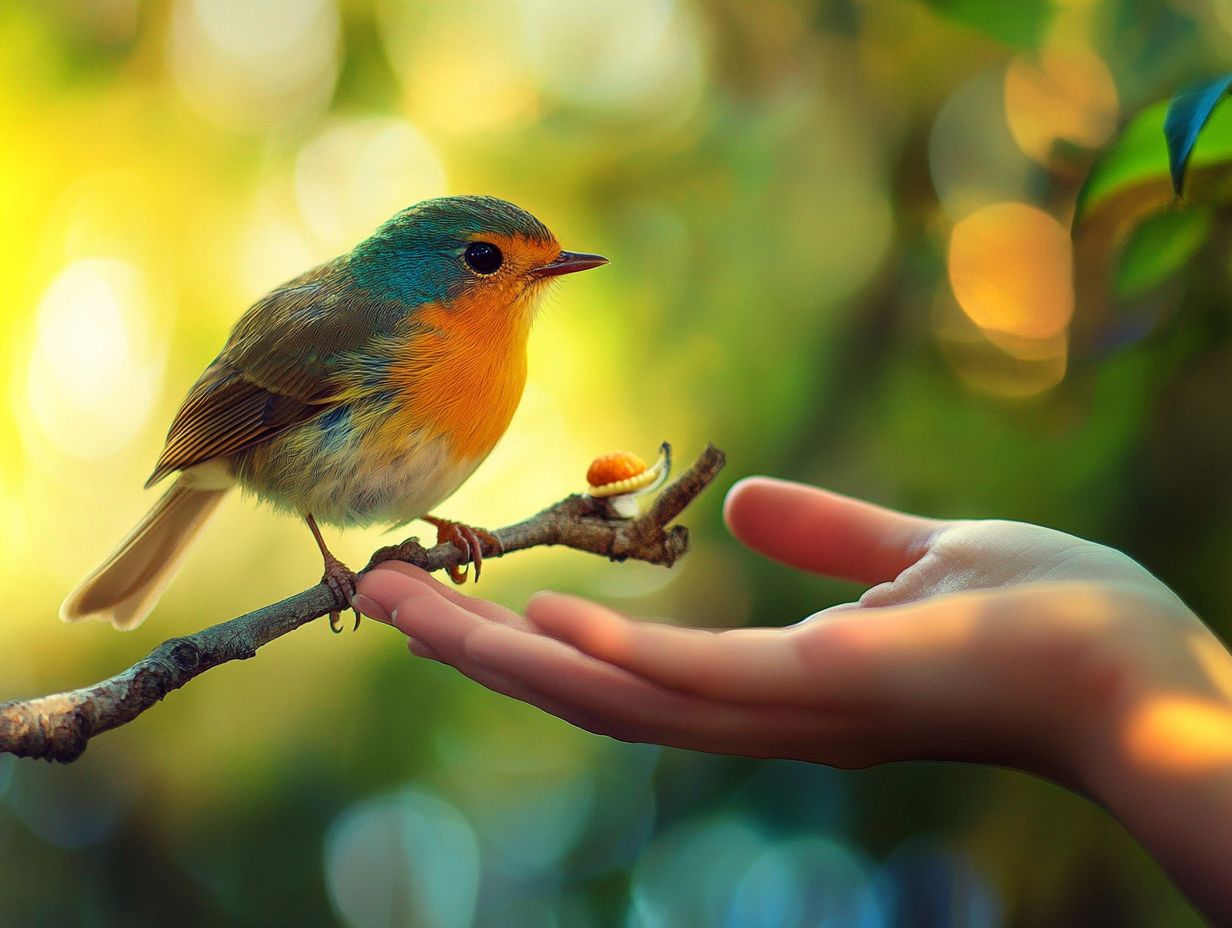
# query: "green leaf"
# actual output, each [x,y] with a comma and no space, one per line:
[1129,185]
[1137,156]
[1136,169]
[1187,113]
[1158,248]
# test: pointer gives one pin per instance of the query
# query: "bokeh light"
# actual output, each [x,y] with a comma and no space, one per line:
[347,177]
[925,881]
[688,876]
[1010,270]
[639,57]
[1067,96]
[94,372]
[249,64]
[405,859]
[76,806]
[972,158]
[808,881]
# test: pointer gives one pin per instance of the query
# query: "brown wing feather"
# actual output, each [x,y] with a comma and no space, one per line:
[226,413]
[279,367]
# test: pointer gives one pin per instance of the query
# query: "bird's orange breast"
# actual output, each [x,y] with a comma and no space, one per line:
[463,377]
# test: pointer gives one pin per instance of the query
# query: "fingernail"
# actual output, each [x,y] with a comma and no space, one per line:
[371,608]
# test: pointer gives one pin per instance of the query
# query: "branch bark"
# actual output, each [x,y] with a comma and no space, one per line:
[58,727]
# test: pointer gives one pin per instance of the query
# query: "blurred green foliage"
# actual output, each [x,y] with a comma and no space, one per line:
[1023,25]
[806,205]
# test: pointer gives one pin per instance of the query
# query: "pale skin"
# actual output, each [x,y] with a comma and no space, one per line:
[981,641]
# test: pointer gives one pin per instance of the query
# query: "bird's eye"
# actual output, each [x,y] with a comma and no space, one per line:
[483,257]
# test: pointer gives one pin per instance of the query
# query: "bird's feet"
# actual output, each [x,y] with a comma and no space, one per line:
[341,581]
[467,539]
[338,577]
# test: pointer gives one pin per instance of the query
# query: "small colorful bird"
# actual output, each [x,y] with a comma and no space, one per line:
[364,391]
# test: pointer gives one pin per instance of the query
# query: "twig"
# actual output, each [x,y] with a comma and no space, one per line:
[59,726]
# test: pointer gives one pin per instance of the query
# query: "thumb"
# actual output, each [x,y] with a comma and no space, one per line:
[824,532]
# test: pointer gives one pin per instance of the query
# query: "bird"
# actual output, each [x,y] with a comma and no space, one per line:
[364,391]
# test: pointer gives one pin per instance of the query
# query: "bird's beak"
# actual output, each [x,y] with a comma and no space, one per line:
[567,262]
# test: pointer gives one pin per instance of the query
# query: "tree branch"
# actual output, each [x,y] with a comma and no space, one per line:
[59,726]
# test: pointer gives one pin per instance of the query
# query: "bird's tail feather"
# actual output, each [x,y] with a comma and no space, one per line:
[126,586]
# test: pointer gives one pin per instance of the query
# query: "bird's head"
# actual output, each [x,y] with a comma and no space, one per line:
[464,251]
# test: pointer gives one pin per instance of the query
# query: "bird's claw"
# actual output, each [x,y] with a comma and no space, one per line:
[341,581]
[470,541]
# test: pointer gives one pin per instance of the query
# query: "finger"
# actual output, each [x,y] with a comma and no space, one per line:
[760,665]
[507,686]
[388,583]
[419,649]
[574,686]
[608,700]
[759,733]
[824,532]
[370,607]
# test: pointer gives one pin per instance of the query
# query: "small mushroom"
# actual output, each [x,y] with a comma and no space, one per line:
[622,476]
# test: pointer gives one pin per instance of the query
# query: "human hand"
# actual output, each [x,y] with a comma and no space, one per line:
[984,641]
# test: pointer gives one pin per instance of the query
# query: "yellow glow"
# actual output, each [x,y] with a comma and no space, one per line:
[447,98]
[1007,367]
[356,174]
[1010,270]
[1180,735]
[520,468]
[460,72]
[1214,660]
[987,369]
[275,247]
[245,64]
[105,212]
[94,374]
[636,55]
[1066,95]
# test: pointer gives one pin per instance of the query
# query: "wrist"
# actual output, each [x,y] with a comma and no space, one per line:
[1123,687]
[1160,760]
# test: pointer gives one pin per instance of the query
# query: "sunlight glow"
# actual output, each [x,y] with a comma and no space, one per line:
[1010,270]
[641,55]
[1066,96]
[247,64]
[972,157]
[1214,660]
[1180,735]
[356,174]
[94,372]
[459,71]
[274,245]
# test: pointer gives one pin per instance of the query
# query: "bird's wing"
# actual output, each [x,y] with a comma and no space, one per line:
[280,367]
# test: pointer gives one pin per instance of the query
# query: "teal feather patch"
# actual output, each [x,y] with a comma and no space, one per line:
[415,257]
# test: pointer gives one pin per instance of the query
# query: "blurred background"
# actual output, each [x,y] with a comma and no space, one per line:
[841,250]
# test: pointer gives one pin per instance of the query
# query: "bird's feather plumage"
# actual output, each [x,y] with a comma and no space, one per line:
[365,390]
[125,587]
[288,359]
